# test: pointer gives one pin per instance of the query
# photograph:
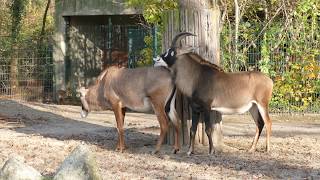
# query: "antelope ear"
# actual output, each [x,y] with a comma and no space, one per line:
[185,50]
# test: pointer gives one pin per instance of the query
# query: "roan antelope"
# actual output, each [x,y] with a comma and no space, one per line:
[209,88]
[140,89]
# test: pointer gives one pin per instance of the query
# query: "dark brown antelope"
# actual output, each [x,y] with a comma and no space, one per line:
[140,89]
[209,88]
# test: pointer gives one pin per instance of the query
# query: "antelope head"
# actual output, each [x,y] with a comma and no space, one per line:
[169,57]
[85,106]
[82,91]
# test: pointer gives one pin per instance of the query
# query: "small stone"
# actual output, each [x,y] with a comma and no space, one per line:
[166,157]
[238,167]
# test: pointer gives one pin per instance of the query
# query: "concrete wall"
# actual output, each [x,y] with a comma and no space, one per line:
[67,8]
[94,7]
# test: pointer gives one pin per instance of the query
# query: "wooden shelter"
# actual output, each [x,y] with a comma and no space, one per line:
[91,35]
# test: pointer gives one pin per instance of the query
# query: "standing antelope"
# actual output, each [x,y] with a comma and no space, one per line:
[140,89]
[209,88]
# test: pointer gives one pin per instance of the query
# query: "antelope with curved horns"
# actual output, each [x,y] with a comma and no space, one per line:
[140,89]
[209,88]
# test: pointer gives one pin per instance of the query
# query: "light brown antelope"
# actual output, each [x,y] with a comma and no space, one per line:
[140,89]
[210,88]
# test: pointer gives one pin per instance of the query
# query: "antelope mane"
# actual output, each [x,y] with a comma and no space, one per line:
[197,58]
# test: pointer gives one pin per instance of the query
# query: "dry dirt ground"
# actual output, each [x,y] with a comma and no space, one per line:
[45,134]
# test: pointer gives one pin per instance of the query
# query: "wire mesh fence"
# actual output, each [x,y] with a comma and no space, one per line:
[295,70]
[26,70]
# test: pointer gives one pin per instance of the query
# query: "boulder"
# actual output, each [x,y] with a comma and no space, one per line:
[79,165]
[15,169]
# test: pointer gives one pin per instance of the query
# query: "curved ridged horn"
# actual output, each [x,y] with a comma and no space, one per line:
[178,37]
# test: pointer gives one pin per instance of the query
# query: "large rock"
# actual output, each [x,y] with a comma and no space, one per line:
[79,165]
[16,169]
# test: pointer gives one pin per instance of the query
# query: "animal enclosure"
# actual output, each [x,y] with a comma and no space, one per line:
[94,43]
[26,70]
[295,71]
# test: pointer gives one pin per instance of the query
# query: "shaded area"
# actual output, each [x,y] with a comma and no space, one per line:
[47,124]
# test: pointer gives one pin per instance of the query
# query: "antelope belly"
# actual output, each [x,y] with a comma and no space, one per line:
[237,110]
[143,106]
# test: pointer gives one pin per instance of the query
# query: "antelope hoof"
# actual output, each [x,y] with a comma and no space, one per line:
[175,151]
[267,150]
[252,150]
[120,149]
[155,151]
[189,153]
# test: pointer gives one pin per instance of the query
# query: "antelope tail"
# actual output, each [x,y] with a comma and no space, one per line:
[171,109]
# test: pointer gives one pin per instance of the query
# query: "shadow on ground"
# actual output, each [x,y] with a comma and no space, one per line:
[104,135]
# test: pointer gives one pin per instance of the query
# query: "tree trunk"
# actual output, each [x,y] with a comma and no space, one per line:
[18,8]
[13,72]
[44,19]
[42,52]
[203,19]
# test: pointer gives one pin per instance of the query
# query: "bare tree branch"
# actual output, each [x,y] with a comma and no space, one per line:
[236,33]
[43,28]
[242,11]
[265,27]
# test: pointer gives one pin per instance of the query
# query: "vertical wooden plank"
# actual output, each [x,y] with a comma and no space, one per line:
[196,29]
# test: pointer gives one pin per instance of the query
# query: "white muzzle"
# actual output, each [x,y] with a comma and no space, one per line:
[158,61]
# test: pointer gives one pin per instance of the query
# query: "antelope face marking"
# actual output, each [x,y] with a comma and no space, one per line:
[158,61]
[168,58]
[84,104]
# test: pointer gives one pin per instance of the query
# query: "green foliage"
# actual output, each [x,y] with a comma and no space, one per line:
[285,45]
[289,52]
[146,53]
[295,89]
[153,11]
[300,82]
[18,9]
[22,20]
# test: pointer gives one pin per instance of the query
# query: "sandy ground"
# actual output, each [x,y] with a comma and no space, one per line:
[45,134]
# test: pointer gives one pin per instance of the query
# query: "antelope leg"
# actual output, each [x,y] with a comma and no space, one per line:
[208,130]
[119,113]
[256,115]
[193,130]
